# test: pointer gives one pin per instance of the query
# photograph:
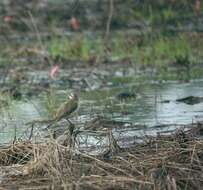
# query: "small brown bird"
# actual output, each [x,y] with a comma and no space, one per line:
[63,112]
[67,108]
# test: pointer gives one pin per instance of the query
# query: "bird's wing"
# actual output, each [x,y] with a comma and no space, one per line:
[66,109]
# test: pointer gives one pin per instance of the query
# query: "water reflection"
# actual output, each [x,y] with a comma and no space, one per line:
[147,109]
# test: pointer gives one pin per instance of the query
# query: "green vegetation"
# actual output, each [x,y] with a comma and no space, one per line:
[152,53]
[145,39]
[162,11]
[161,52]
[79,48]
[50,102]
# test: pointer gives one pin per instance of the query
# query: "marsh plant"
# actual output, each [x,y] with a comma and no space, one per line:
[163,51]
[51,102]
[79,47]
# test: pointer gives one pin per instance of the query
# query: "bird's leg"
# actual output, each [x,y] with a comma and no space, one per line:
[71,126]
[31,131]
[71,129]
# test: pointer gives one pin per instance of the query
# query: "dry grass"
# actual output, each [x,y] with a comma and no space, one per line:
[165,162]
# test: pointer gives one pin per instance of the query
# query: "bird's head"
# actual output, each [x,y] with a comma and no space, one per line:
[73,96]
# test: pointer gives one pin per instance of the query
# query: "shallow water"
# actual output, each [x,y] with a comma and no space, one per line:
[147,108]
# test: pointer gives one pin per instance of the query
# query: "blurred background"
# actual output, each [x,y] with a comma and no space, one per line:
[132,61]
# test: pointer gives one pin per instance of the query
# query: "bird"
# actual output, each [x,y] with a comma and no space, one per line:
[63,112]
[67,108]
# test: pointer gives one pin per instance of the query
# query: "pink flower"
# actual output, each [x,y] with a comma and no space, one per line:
[7,19]
[74,23]
[53,71]
[197,6]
